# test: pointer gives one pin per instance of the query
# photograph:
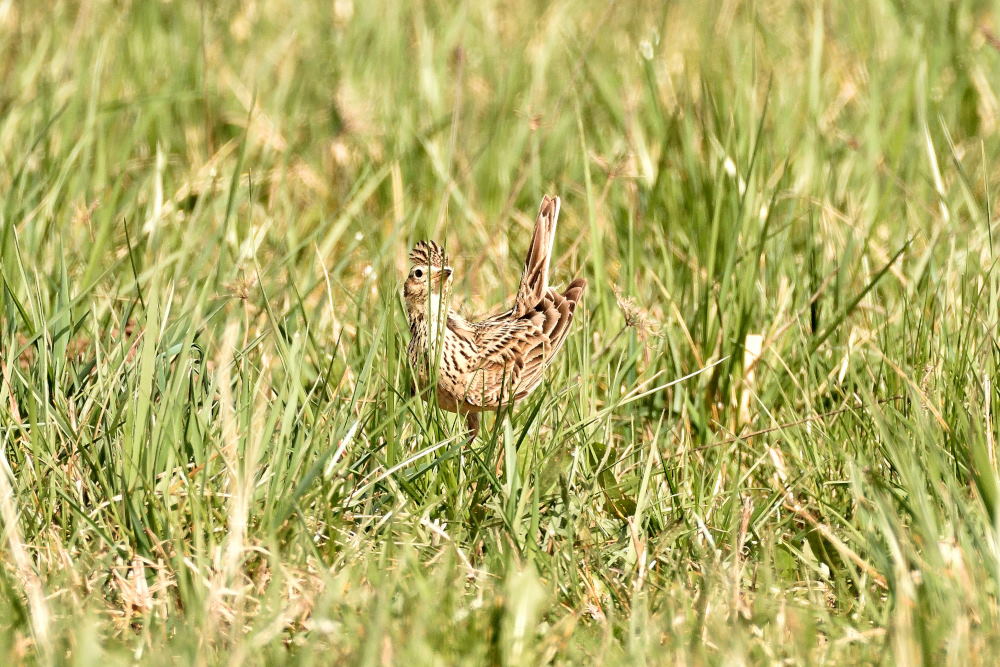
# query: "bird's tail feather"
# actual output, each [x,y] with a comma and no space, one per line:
[535,279]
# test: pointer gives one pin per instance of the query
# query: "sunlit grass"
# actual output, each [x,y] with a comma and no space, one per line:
[210,438]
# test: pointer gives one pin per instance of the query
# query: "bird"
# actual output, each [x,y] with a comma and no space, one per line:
[488,364]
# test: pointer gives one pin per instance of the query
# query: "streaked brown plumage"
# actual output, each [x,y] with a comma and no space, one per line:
[488,364]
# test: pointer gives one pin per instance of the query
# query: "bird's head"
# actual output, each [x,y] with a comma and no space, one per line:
[429,279]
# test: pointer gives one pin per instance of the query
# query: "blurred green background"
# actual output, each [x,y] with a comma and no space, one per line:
[212,453]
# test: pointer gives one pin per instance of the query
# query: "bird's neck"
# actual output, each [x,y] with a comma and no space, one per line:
[428,318]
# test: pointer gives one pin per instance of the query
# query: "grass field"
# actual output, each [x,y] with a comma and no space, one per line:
[211,450]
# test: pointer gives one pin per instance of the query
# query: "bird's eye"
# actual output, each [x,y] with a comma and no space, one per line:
[418,273]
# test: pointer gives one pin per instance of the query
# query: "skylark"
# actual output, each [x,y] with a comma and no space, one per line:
[487,365]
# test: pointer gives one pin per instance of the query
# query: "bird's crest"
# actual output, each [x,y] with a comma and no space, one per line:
[428,253]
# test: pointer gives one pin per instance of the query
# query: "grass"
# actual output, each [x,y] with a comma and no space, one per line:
[211,449]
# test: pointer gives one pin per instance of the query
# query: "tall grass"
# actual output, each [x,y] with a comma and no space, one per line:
[212,452]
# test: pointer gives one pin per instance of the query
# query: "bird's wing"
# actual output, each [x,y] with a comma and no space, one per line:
[553,315]
[515,352]
[535,278]
[496,372]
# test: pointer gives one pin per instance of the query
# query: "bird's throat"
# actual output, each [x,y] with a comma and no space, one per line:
[429,317]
